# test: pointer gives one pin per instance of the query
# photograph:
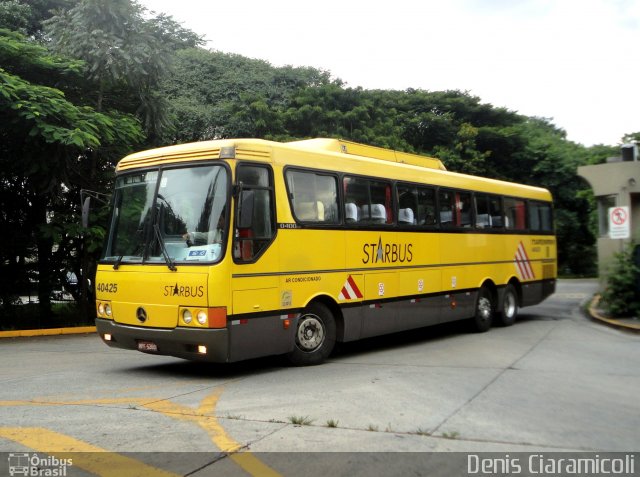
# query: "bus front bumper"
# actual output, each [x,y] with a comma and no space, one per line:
[189,343]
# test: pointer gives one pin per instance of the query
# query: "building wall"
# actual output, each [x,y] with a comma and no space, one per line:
[620,180]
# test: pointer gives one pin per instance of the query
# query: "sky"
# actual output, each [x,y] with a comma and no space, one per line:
[574,62]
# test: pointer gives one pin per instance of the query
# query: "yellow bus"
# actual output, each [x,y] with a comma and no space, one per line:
[234,249]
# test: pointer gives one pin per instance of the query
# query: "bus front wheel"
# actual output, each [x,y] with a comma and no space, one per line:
[315,336]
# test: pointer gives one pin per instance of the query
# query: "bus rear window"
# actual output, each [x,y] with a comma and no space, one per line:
[540,217]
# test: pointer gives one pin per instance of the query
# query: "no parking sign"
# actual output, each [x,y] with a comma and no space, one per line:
[619,227]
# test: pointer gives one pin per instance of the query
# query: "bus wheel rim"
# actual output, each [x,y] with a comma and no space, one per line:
[484,308]
[509,305]
[311,334]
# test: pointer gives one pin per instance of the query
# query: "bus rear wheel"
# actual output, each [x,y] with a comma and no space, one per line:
[483,317]
[315,336]
[509,306]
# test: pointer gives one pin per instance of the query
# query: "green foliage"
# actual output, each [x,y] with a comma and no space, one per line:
[621,296]
[218,95]
[27,16]
[126,56]
[46,144]
[631,138]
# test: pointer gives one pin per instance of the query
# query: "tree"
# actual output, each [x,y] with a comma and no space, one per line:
[43,149]
[218,95]
[125,57]
[27,17]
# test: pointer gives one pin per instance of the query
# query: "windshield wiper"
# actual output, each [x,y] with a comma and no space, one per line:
[118,261]
[163,247]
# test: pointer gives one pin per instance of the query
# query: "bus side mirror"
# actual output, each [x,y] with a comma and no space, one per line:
[246,200]
[86,206]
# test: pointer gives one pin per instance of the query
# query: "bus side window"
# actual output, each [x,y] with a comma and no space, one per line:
[313,196]
[426,206]
[483,215]
[255,216]
[407,204]
[515,213]
[367,201]
[495,211]
[447,208]
[463,206]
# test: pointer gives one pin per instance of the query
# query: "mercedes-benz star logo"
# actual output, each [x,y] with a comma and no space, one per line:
[141,314]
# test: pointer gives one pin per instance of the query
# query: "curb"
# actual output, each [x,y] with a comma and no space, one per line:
[48,332]
[593,312]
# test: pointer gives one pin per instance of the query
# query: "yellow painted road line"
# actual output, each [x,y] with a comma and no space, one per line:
[86,456]
[204,416]
[48,332]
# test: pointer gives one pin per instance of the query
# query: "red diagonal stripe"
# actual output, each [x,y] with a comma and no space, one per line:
[354,287]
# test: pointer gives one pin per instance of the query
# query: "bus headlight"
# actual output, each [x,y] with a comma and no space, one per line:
[187,317]
[104,309]
[202,317]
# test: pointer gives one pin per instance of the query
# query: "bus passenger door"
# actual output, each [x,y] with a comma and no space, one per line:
[255,328]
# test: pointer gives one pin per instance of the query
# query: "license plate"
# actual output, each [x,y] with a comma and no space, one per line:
[147,346]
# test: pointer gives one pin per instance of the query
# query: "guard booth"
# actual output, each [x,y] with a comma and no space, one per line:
[616,186]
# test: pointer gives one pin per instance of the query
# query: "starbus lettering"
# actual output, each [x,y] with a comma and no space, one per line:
[387,252]
[184,291]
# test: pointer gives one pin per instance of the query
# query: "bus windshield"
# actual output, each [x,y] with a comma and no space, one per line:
[169,215]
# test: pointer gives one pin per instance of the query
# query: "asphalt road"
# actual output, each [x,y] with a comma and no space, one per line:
[555,381]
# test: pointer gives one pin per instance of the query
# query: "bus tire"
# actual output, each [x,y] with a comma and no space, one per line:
[315,336]
[509,310]
[484,311]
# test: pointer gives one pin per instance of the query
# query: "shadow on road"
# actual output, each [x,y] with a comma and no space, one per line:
[253,367]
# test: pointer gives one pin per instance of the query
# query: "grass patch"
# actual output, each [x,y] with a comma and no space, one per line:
[301,420]
[421,432]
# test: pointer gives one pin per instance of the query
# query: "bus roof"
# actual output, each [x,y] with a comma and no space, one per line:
[341,155]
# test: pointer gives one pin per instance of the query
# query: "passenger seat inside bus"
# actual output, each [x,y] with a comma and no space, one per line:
[310,211]
[483,220]
[350,212]
[376,215]
[405,216]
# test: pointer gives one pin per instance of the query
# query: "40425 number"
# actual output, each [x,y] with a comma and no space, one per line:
[107,287]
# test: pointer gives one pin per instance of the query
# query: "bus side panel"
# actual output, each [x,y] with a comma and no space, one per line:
[380,316]
[420,309]
[260,336]
[534,293]
[458,305]
[458,301]
[352,317]
[418,312]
